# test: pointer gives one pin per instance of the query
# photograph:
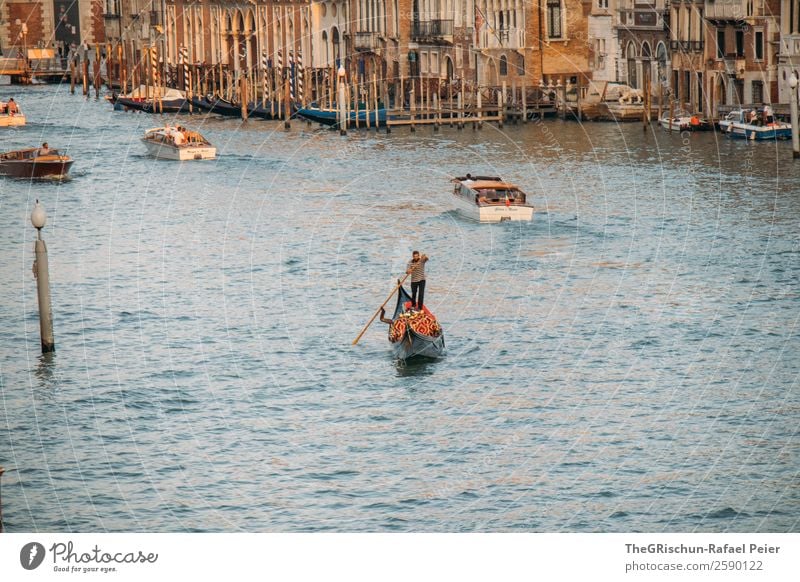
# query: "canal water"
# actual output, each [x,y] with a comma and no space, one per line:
[626,362]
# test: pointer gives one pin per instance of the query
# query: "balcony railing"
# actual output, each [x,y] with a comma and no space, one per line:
[648,18]
[365,41]
[790,45]
[432,31]
[686,46]
[726,10]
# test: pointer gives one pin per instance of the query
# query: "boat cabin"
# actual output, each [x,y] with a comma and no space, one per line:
[758,117]
[489,191]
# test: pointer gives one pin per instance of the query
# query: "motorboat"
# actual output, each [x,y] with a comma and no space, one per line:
[681,123]
[490,199]
[414,333]
[34,163]
[177,143]
[755,124]
[15,118]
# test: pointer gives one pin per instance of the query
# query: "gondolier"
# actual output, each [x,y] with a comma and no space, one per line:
[416,268]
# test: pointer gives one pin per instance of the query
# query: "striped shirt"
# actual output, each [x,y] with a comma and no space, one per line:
[417,270]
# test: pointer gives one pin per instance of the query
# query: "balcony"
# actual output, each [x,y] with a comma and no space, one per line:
[435,31]
[726,10]
[365,41]
[645,18]
[686,46]
[790,45]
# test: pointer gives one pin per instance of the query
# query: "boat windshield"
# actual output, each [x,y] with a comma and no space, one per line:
[500,195]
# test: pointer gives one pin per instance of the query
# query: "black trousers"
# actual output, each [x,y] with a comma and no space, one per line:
[418,287]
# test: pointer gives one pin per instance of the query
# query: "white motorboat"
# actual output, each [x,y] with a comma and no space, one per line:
[682,123]
[178,143]
[755,125]
[13,118]
[490,199]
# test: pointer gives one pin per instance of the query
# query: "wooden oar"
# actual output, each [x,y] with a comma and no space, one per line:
[400,284]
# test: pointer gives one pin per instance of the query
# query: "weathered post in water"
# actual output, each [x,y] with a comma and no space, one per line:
[42,275]
[243,95]
[1,499]
[793,106]
[72,75]
[96,71]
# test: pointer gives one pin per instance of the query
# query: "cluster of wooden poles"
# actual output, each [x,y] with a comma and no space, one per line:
[279,81]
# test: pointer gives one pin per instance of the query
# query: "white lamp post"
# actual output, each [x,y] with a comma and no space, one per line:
[42,275]
[793,109]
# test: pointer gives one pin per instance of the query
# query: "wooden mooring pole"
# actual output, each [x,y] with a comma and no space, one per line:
[1,499]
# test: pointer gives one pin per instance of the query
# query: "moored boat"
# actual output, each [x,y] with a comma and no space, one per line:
[414,333]
[682,123]
[219,106]
[34,163]
[144,99]
[755,125]
[330,118]
[12,118]
[490,199]
[177,143]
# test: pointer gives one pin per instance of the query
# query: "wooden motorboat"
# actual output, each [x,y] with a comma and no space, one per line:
[414,333]
[490,199]
[12,119]
[34,163]
[177,143]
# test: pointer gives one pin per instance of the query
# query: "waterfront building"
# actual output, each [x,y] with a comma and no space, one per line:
[788,47]
[687,31]
[55,26]
[741,52]
[603,38]
[642,33]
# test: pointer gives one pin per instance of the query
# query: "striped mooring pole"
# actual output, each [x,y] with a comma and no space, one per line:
[300,74]
[264,63]
[155,76]
[185,63]
[291,75]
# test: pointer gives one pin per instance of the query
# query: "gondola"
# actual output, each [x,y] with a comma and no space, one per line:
[411,343]
[218,106]
[329,117]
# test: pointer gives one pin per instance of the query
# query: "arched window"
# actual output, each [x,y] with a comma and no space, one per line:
[661,57]
[503,66]
[630,54]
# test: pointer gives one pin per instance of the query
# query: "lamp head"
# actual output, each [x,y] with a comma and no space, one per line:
[38,216]
[341,72]
[793,81]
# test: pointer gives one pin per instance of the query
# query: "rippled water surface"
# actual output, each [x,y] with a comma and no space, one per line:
[626,362]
